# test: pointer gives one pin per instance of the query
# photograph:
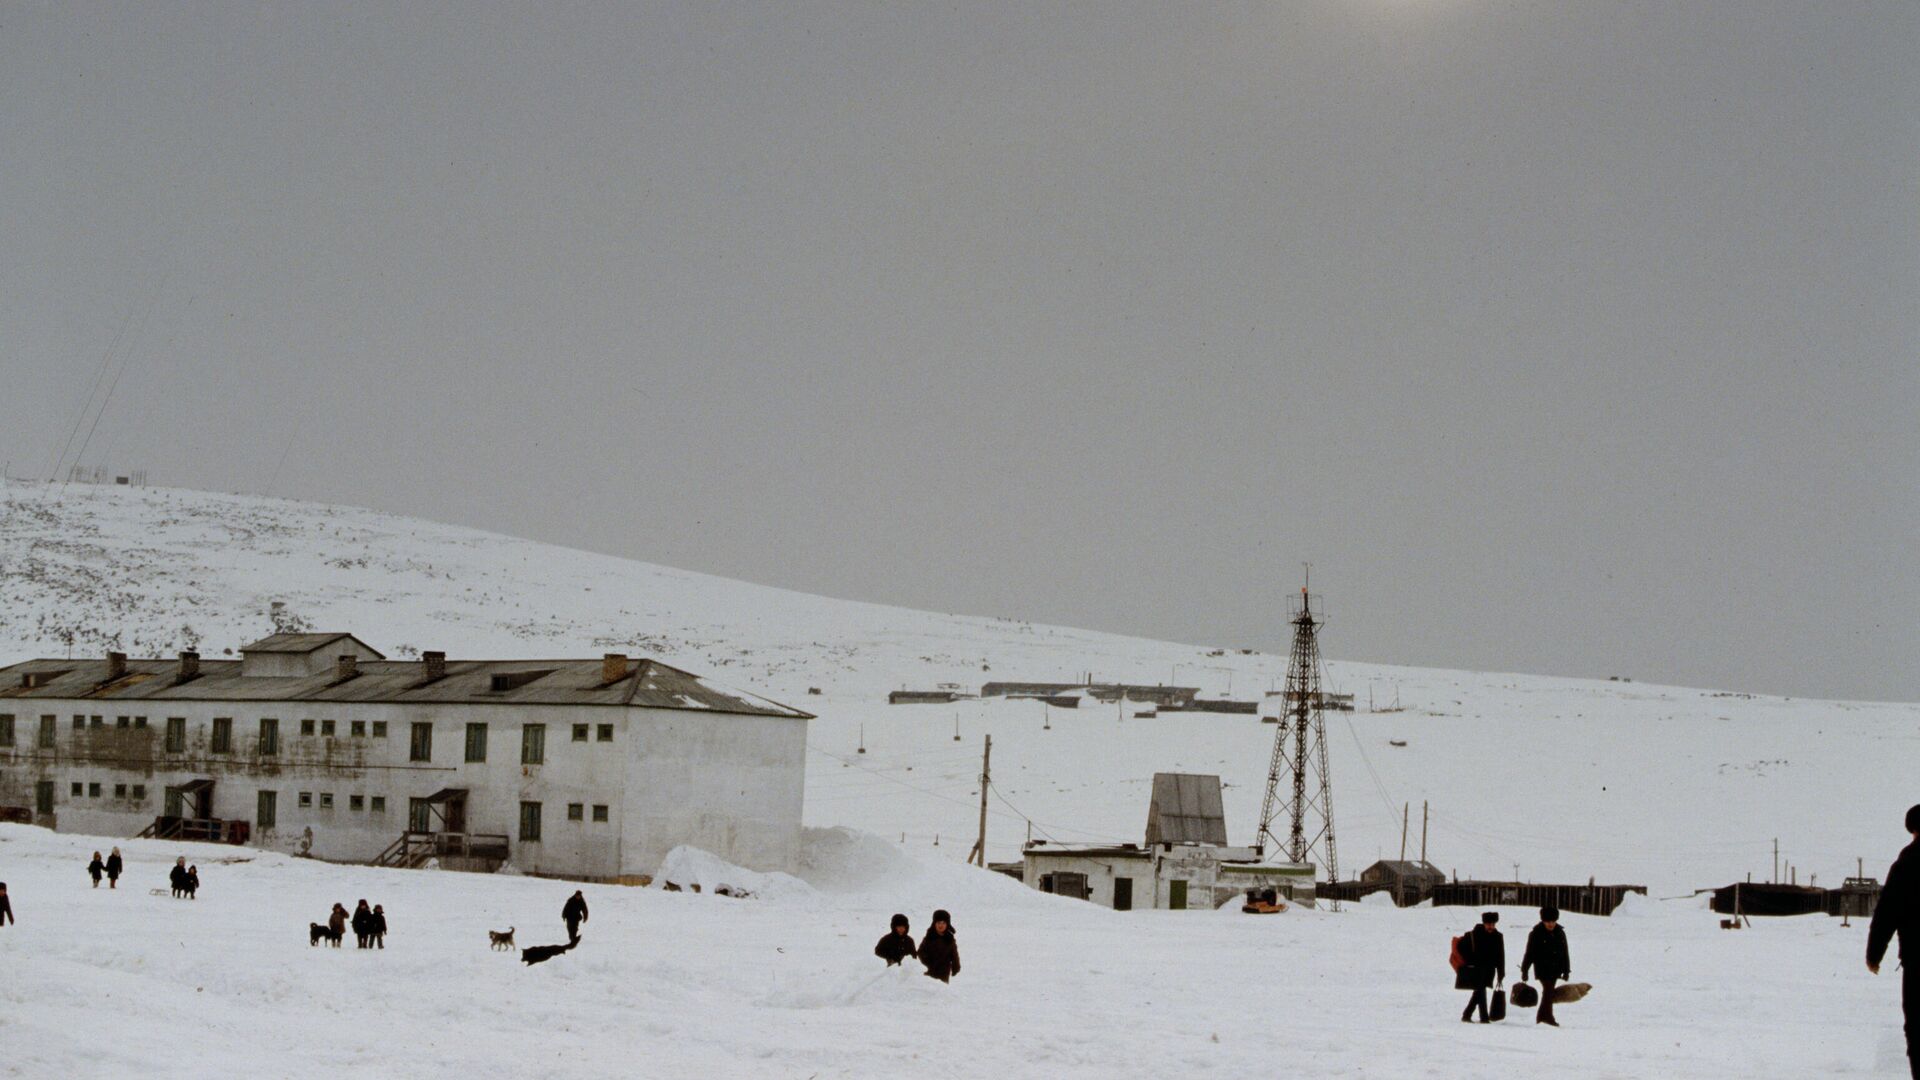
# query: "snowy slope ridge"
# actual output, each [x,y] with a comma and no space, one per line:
[1566,778]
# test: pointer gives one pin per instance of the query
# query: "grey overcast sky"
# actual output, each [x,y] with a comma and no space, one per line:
[1574,338]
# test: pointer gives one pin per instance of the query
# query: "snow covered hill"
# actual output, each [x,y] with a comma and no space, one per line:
[1564,778]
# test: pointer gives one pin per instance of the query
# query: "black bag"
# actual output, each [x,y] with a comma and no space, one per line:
[1525,996]
[1497,1010]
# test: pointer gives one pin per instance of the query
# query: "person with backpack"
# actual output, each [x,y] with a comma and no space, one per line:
[1898,913]
[1483,955]
[1547,955]
[898,944]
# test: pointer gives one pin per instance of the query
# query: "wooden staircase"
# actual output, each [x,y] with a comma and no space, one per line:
[479,852]
[209,830]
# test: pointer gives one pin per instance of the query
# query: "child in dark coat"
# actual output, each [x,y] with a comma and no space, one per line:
[1547,955]
[95,869]
[938,950]
[114,866]
[6,906]
[378,921]
[898,944]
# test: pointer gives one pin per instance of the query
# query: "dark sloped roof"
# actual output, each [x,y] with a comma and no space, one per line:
[1408,868]
[649,684]
[1186,809]
[302,643]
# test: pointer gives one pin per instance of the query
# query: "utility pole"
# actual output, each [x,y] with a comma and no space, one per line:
[979,855]
[1776,861]
[1405,808]
[1423,830]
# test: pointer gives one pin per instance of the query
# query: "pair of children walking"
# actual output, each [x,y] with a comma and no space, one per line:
[938,951]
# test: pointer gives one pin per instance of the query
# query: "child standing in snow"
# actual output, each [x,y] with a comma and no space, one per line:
[378,921]
[193,881]
[938,950]
[95,869]
[6,906]
[898,944]
[114,866]
[178,877]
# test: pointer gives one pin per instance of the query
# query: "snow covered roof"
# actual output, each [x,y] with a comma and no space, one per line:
[1186,809]
[647,684]
[302,644]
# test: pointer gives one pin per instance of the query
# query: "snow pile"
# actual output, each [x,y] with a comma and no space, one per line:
[860,865]
[704,872]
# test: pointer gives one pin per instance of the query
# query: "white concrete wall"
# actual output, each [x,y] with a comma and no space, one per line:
[730,784]
[1101,872]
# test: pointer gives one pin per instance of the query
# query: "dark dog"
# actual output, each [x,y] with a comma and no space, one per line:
[500,940]
[540,954]
[316,933]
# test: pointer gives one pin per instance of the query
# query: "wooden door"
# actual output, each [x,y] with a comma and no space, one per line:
[1123,894]
[1177,895]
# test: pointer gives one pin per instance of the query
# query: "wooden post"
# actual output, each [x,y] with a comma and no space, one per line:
[978,856]
[1405,809]
[1423,830]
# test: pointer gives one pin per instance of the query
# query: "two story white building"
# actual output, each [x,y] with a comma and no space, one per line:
[315,743]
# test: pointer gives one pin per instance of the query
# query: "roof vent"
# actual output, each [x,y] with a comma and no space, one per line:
[514,680]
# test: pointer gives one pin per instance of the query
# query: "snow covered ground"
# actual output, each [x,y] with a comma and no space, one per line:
[130,983]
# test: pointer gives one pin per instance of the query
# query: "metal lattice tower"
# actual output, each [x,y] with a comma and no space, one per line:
[1300,758]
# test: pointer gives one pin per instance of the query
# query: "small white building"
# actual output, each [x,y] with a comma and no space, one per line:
[315,743]
[1184,864]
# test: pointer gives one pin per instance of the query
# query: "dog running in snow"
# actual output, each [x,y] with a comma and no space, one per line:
[318,932]
[540,954]
[501,940]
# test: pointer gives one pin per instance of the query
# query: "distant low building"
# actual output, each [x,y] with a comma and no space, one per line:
[1185,863]
[1409,881]
[317,744]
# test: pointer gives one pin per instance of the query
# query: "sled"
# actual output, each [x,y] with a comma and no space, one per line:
[1525,996]
[1497,1008]
[1263,902]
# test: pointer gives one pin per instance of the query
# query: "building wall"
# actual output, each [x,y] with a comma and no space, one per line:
[1101,871]
[731,784]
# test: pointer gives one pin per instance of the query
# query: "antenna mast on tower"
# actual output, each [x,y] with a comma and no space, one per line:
[1300,757]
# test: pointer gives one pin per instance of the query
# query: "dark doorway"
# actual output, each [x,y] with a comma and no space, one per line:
[1123,894]
[1074,885]
[43,798]
[1177,895]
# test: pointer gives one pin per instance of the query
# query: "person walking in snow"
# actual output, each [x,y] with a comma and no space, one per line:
[1485,952]
[114,866]
[193,881]
[1898,913]
[362,925]
[96,868]
[575,913]
[178,876]
[6,906]
[898,944]
[938,950]
[378,924]
[1547,955]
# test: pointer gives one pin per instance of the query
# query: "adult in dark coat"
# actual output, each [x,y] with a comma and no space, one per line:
[114,866]
[575,913]
[1898,912]
[96,868]
[898,944]
[362,924]
[938,950]
[379,924]
[6,906]
[1485,953]
[178,876]
[1547,955]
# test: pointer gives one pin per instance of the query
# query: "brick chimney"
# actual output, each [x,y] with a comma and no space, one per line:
[613,667]
[189,665]
[346,666]
[116,664]
[436,663]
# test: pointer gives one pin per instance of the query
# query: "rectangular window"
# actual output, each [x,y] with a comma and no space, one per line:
[79,722]
[79,789]
[359,729]
[269,737]
[356,802]
[579,733]
[421,749]
[139,793]
[47,725]
[93,791]
[326,728]
[576,811]
[606,732]
[306,727]
[6,729]
[476,742]
[326,800]
[379,729]
[599,811]
[530,821]
[139,721]
[97,722]
[306,799]
[379,804]
[176,734]
[533,744]
[223,735]
[123,721]
[119,791]
[264,815]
